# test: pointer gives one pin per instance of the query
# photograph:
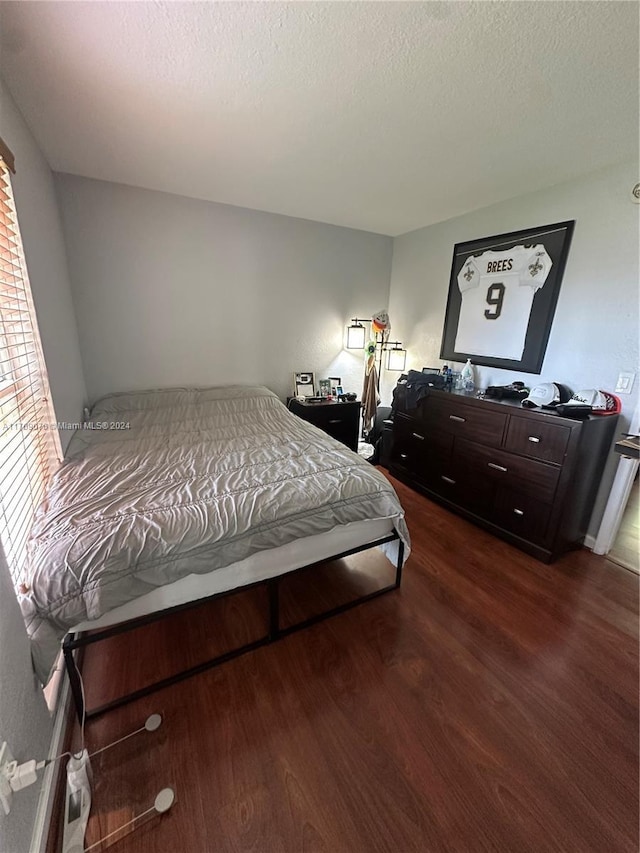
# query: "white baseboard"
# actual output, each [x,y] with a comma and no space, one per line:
[589,541]
[48,789]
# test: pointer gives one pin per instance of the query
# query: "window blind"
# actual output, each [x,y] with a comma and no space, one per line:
[29,443]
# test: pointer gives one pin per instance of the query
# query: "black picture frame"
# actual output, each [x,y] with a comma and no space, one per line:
[304,384]
[556,239]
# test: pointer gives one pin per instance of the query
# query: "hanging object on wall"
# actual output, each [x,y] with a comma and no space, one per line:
[502,298]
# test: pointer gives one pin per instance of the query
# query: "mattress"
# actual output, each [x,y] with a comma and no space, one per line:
[257,567]
[169,483]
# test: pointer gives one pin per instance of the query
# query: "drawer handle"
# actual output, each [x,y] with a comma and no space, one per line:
[448,480]
[518,512]
[403,456]
[497,467]
[336,421]
[534,439]
[457,419]
[417,435]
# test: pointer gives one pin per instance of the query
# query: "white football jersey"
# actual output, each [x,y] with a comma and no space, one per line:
[497,291]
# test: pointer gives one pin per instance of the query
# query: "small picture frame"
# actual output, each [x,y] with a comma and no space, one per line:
[304,384]
[325,387]
[336,382]
[339,390]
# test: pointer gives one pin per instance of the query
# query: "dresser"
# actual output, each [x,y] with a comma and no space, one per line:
[339,419]
[528,476]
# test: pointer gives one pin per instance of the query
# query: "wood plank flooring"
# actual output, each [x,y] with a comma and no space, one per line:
[491,704]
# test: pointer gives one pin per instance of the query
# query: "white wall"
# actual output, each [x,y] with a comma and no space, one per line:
[595,331]
[41,230]
[24,719]
[170,290]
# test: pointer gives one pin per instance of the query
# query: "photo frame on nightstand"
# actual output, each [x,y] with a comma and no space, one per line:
[304,384]
[336,382]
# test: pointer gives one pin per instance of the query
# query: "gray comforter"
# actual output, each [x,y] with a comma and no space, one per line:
[169,483]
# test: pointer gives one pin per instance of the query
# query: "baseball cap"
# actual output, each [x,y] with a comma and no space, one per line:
[547,394]
[601,402]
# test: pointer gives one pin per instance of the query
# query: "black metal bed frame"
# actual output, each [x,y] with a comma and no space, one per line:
[73,642]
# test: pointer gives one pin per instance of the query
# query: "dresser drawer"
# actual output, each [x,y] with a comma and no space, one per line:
[472,422]
[526,476]
[334,417]
[416,450]
[339,420]
[521,514]
[469,492]
[535,438]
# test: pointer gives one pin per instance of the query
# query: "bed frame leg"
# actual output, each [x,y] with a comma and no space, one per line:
[399,563]
[274,609]
[74,677]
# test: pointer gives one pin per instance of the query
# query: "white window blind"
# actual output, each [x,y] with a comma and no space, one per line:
[29,442]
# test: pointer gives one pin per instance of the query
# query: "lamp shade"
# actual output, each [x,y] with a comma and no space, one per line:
[355,336]
[397,359]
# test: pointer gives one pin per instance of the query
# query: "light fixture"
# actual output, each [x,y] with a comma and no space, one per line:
[356,334]
[397,358]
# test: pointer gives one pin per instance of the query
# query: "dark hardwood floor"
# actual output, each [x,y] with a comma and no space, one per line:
[491,704]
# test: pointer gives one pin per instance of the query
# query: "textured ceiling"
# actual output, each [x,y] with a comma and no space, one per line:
[380,116]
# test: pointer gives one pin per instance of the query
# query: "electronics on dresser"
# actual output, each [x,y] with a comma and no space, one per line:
[514,391]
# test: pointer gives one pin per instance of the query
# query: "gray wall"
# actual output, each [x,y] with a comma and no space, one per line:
[170,290]
[595,331]
[24,720]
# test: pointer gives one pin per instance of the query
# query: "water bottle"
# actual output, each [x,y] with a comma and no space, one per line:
[468,382]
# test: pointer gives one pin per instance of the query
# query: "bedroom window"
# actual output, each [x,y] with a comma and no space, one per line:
[29,443]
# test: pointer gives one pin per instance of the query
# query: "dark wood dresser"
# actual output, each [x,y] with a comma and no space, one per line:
[527,475]
[339,419]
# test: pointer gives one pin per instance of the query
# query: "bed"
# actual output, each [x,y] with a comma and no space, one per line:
[168,497]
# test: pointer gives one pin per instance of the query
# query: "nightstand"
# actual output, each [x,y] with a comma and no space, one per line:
[339,420]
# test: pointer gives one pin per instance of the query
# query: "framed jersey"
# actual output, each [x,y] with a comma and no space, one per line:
[503,292]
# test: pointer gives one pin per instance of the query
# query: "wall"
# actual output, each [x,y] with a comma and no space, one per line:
[44,249]
[24,719]
[595,331]
[170,290]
